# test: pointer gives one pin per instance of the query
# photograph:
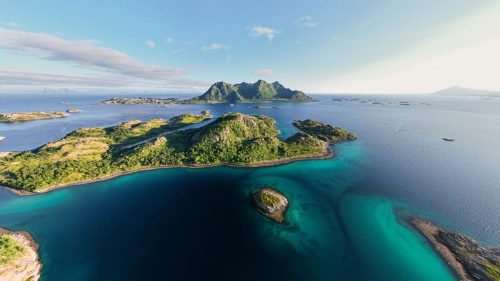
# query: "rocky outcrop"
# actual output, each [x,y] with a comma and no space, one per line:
[271,203]
[26,264]
[469,260]
[73,110]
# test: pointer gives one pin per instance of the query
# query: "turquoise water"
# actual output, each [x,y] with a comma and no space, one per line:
[342,224]
[199,224]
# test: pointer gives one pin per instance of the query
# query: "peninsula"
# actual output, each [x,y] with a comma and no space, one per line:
[19,260]
[223,92]
[30,116]
[469,260]
[92,154]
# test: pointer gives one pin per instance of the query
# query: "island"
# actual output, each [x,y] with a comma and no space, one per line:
[260,91]
[19,260]
[466,92]
[140,100]
[270,203]
[223,92]
[469,260]
[30,116]
[73,110]
[323,131]
[92,154]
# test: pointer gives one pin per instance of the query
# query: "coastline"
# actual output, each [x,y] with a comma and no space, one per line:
[467,258]
[429,231]
[328,154]
[30,271]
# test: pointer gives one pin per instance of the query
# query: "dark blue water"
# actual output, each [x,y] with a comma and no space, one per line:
[199,224]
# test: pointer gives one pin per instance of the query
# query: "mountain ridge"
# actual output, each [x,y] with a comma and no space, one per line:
[260,91]
[462,91]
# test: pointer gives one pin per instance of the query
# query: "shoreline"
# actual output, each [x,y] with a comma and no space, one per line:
[429,231]
[465,257]
[328,154]
[25,239]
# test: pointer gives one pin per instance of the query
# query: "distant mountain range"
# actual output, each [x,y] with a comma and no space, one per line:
[260,91]
[460,91]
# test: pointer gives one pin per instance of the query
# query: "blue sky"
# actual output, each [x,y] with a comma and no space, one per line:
[360,46]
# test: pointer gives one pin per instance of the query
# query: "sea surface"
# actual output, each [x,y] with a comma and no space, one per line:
[346,219]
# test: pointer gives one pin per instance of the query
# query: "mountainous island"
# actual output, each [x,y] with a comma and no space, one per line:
[223,92]
[91,154]
[468,259]
[465,92]
[19,260]
[260,91]
[30,116]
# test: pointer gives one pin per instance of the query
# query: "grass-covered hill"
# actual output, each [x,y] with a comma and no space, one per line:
[323,131]
[260,91]
[93,153]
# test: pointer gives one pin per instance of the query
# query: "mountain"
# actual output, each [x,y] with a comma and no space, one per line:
[260,91]
[460,91]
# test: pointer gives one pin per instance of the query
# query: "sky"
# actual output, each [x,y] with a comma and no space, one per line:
[318,46]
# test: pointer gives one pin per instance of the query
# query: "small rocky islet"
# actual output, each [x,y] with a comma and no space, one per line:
[270,203]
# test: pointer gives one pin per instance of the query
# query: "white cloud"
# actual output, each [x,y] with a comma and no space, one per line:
[264,72]
[82,53]
[467,55]
[9,24]
[215,47]
[150,43]
[27,80]
[307,21]
[112,68]
[169,40]
[258,31]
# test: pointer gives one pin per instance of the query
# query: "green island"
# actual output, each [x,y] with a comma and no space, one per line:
[223,92]
[92,154]
[19,259]
[469,260]
[323,131]
[30,116]
[270,203]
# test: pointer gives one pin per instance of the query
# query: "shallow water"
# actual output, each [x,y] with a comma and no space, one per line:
[199,224]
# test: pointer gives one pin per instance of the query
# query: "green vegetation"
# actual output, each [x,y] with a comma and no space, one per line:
[222,92]
[492,270]
[83,154]
[92,153]
[324,131]
[269,199]
[10,249]
[30,116]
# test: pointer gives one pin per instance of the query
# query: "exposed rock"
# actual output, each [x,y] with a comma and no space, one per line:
[73,110]
[271,203]
[469,260]
[24,266]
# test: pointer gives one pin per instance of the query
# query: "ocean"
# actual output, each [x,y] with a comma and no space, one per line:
[346,214]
